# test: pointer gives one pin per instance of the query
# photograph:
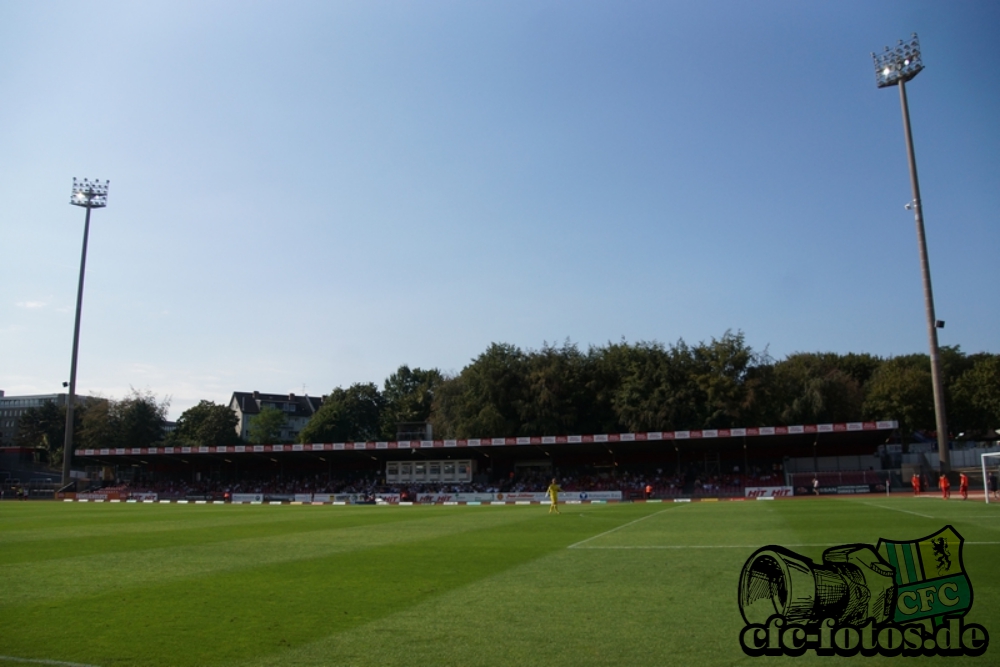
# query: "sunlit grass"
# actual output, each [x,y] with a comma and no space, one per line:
[139,584]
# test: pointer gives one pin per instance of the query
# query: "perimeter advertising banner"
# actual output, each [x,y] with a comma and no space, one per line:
[564,496]
[349,498]
[768,492]
[436,498]
[840,489]
[99,495]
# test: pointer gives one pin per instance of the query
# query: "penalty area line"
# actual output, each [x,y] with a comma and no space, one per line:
[624,525]
[40,661]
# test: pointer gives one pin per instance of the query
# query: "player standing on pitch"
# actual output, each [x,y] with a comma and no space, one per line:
[915,482]
[963,486]
[553,492]
[945,487]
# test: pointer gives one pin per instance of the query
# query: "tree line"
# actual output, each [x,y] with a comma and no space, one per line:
[137,420]
[560,389]
[721,383]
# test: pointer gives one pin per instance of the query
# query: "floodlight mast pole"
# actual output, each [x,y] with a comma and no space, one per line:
[894,67]
[89,195]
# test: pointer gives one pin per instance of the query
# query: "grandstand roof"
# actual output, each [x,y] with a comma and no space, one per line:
[760,439]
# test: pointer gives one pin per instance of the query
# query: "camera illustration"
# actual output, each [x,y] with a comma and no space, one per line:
[852,585]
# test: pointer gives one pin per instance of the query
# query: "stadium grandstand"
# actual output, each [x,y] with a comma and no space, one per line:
[846,458]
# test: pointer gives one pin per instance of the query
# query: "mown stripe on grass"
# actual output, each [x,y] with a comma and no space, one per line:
[68,576]
[568,608]
[38,661]
[142,527]
[235,614]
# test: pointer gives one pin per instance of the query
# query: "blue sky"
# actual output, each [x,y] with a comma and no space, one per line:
[310,194]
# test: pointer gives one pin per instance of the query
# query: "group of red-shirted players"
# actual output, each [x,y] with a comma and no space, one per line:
[944,485]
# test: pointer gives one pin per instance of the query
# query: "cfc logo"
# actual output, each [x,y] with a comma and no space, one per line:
[896,598]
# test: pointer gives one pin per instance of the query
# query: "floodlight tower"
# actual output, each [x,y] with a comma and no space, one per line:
[894,67]
[89,195]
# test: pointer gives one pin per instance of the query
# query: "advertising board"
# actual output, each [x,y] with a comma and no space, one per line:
[768,492]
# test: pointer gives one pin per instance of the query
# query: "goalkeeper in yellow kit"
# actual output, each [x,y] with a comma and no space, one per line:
[553,492]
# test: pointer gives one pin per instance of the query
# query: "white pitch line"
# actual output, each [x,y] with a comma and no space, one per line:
[714,546]
[624,525]
[742,546]
[896,509]
[35,661]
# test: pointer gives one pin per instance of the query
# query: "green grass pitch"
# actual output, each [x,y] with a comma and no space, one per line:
[279,586]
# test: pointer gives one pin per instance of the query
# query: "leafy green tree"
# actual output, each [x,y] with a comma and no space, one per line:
[719,371]
[954,363]
[716,384]
[557,392]
[43,428]
[682,387]
[139,419]
[448,408]
[644,386]
[976,397]
[860,367]
[901,389]
[814,388]
[485,399]
[347,415]
[407,396]
[98,424]
[206,425]
[266,426]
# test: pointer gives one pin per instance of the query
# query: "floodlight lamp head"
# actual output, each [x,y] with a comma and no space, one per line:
[89,194]
[899,64]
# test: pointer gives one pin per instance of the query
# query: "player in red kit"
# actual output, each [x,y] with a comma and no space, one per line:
[945,487]
[915,481]
[963,486]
